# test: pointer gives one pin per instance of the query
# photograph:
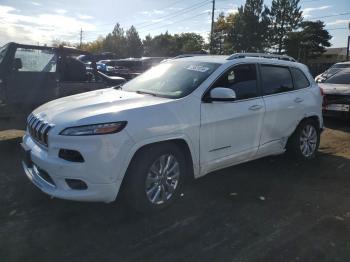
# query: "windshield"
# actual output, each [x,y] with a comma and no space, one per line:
[173,79]
[342,77]
[2,52]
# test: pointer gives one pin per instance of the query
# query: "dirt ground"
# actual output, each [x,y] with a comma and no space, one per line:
[273,209]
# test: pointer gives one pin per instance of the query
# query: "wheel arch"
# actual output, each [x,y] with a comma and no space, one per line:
[313,117]
[181,142]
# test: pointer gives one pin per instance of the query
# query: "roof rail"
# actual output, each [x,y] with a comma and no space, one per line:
[188,55]
[262,55]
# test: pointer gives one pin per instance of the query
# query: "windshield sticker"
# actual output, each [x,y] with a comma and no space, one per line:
[197,68]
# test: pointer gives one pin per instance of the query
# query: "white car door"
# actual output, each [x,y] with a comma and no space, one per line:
[285,106]
[230,131]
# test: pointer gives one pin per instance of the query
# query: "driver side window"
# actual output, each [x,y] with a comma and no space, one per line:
[242,79]
[36,60]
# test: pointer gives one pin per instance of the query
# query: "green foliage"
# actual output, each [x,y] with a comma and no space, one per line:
[115,42]
[245,31]
[172,45]
[129,44]
[308,43]
[189,42]
[285,16]
[134,47]
[254,28]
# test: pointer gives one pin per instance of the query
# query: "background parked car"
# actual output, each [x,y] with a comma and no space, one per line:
[337,94]
[33,75]
[331,71]
[127,68]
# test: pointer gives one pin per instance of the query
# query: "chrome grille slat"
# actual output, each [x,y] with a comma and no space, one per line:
[38,129]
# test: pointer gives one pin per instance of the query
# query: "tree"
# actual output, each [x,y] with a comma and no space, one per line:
[249,31]
[95,46]
[162,45]
[189,43]
[285,16]
[222,26]
[147,45]
[172,45]
[134,44]
[58,42]
[308,43]
[115,42]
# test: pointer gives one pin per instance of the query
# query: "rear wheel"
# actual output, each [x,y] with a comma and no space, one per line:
[155,177]
[305,141]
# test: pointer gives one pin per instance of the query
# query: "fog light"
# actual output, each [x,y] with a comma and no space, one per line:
[76,184]
[70,155]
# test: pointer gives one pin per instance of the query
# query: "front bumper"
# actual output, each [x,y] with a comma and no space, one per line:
[94,193]
[102,170]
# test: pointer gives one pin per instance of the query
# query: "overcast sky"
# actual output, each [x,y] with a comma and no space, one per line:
[42,21]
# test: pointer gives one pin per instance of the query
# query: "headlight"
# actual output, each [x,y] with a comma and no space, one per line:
[98,129]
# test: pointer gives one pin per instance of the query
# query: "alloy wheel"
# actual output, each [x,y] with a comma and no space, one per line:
[162,179]
[308,140]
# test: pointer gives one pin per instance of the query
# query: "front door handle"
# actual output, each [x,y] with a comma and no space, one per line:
[255,107]
[298,100]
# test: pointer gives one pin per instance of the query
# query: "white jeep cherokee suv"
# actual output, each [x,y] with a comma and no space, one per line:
[185,117]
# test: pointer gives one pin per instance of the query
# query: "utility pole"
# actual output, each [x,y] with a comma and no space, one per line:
[212,28]
[348,46]
[81,37]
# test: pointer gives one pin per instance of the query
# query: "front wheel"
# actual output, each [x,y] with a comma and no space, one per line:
[155,177]
[305,141]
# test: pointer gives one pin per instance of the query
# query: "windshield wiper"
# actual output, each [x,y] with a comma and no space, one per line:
[118,87]
[145,93]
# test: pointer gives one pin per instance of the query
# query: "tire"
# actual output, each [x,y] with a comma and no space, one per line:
[144,175]
[304,142]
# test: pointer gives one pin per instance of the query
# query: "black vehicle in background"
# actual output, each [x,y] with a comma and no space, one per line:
[128,68]
[337,94]
[32,75]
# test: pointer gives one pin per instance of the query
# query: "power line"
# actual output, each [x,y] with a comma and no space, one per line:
[177,21]
[325,16]
[309,1]
[337,28]
[176,14]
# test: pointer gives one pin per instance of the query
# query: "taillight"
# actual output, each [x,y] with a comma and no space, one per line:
[322,93]
[324,99]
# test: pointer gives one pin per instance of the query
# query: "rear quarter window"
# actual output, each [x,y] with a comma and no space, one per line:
[300,80]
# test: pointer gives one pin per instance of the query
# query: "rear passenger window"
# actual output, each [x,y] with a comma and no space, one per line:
[276,79]
[300,80]
[241,79]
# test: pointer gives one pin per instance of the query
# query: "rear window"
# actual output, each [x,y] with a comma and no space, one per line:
[342,77]
[276,79]
[341,66]
[300,80]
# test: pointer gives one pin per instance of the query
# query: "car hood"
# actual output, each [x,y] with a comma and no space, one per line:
[339,89]
[98,106]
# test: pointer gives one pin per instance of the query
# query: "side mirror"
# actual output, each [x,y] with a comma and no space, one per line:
[222,94]
[17,63]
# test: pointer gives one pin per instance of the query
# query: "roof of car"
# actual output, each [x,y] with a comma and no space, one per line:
[341,63]
[222,59]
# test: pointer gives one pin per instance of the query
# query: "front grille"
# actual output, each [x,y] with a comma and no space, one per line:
[38,129]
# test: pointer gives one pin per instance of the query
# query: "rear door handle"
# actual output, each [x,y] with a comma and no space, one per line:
[298,100]
[255,107]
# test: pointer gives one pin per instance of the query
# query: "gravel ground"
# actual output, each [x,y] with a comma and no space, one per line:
[272,209]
